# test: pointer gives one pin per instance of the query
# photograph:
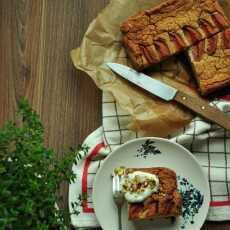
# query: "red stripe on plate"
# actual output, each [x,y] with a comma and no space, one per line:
[94,152]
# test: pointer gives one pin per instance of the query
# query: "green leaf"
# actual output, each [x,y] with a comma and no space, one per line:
[2,169]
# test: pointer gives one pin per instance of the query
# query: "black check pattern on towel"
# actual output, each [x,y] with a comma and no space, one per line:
[209,143]
[115,121]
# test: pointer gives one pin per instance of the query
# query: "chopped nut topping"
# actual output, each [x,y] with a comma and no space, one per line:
[137,184]
[120,171]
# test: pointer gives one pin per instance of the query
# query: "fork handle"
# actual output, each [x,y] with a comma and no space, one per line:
[119,218]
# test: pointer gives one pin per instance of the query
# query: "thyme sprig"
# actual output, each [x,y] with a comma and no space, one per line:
[30,175]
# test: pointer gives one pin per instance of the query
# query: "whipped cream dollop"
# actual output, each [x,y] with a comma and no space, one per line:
[137,186]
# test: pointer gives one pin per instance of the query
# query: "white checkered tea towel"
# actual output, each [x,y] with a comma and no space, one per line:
[209,143]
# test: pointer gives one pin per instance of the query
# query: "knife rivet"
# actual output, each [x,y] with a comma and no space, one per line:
[184,98]
[203,107]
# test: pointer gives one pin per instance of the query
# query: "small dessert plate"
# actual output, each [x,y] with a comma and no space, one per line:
[147,153]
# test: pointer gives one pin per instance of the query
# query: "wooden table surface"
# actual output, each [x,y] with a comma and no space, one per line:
[35,44]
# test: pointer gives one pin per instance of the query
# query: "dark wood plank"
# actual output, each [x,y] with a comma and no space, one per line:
[36,40]
[35,44]
[73,109]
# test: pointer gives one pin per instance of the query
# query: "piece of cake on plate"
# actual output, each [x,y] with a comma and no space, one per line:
[151,193]
[210,59]
[170,27]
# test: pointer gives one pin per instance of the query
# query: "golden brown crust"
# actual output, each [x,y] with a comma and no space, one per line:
[168,28]
[210,59]
[168,202]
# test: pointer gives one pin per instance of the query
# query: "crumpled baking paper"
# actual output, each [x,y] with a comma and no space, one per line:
[151,116]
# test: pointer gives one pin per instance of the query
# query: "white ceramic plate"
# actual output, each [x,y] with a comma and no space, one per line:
[153,152]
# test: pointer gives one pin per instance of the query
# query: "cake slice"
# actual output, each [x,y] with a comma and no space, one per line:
[210,59]
[167,202]
[170,27]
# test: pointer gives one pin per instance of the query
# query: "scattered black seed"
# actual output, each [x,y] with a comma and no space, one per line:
[192,200]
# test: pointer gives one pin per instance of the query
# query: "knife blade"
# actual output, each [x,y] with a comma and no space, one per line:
[168,93]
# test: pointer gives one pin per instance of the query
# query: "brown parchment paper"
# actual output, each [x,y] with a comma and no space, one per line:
[101,44]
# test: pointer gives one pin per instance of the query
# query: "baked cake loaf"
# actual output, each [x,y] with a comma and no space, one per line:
[210,59]
[168,28]
[165,203]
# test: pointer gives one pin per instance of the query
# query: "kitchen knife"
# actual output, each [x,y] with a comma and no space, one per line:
[169,93]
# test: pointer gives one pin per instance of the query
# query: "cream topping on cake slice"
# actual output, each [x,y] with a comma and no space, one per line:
[138,185]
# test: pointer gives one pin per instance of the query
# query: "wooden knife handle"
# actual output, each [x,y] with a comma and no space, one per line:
[202,108]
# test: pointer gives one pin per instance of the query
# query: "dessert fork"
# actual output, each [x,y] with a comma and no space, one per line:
[118,196]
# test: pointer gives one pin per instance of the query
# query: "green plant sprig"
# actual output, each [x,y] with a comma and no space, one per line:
[30,175]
